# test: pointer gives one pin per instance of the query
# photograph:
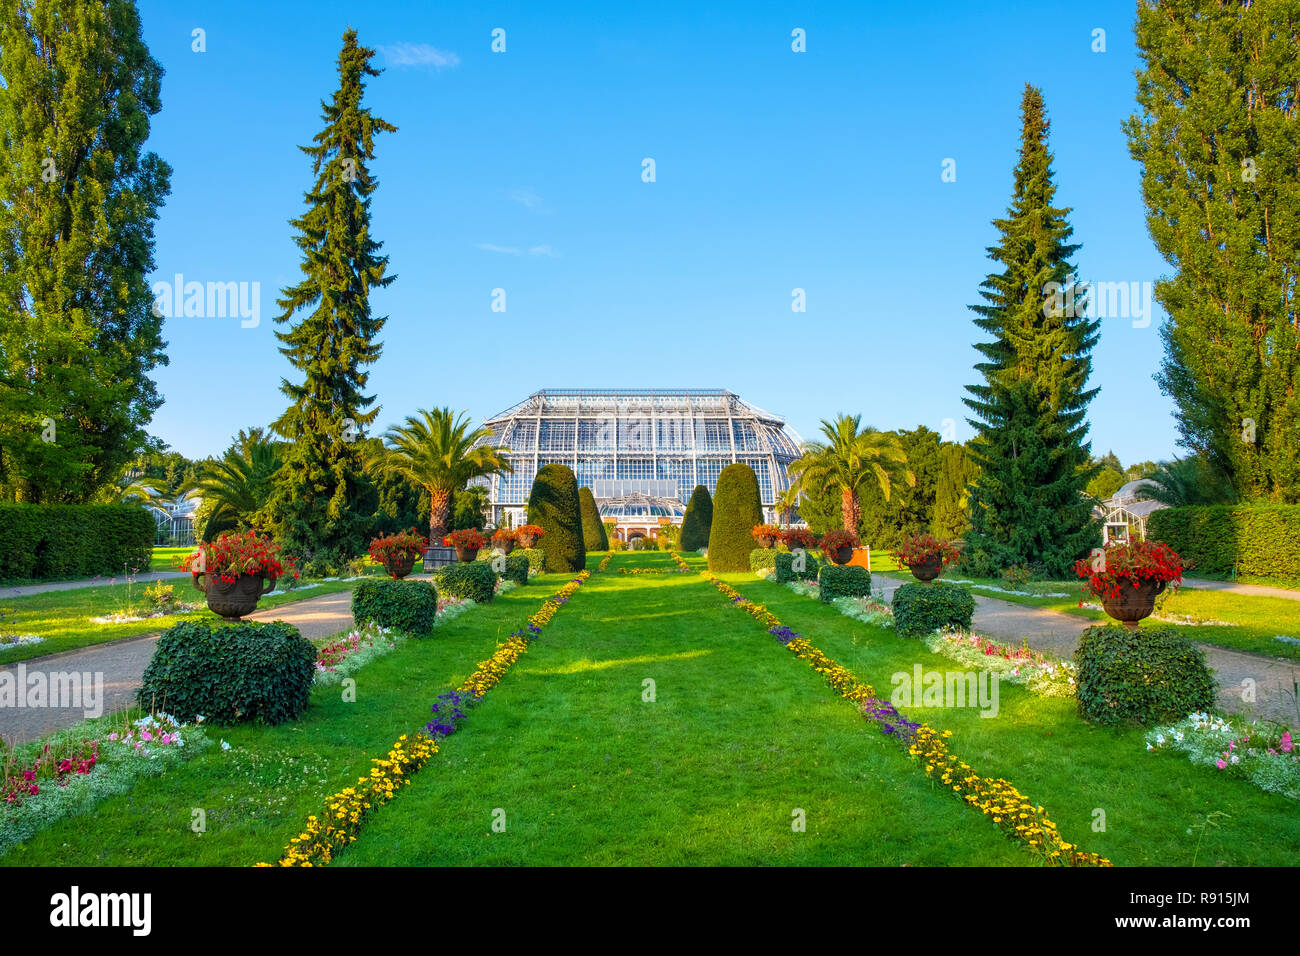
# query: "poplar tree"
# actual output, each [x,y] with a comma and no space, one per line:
[318,506]
[1028,506]
[1215,133]
[79,196]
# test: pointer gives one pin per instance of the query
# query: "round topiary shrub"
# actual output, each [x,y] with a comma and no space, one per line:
[697,520]
[554,507]
[230,672]
[848,580]
[791,566]
[922,608]
[536,558]
[736,509]
[517,568]
[1142,675]
[469,580]
[593,529]
[410,606]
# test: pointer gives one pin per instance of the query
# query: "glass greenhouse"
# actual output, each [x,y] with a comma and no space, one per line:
[640,451]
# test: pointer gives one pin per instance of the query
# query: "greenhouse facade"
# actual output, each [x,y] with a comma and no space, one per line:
[640,451]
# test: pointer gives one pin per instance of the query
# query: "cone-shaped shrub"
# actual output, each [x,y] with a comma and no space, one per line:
[593,529]
[736,509]
[554,507]
[696,523]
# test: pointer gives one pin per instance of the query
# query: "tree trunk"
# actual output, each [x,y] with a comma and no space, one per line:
[439,515]
[850,509]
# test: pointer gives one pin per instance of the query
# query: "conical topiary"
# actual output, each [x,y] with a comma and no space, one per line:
[699,516]
[554,507]
[593,529]
[736,509]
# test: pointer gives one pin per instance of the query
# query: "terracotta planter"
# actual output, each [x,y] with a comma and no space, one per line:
[764,541]
[1133,603]
[506,546]
[839,556]
[235,599]
[927,570]
[399,565]
[466,554]
[526,540]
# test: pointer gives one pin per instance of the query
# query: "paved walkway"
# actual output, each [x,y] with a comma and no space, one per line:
[1258,590]
[121,664]
[1058,633]
[145,577]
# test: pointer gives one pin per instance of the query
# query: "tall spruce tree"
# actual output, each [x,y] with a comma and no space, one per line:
[956,474]
[79,196]
[1028,506]
[317,506]
[1216,137]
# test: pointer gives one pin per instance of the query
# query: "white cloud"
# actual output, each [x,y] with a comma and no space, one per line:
[543,251]
[527,198]
[507,250]
[419,54]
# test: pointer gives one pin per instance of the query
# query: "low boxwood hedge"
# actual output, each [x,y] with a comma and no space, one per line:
[787,572]
[44,542]
[1142,675]
[536,558]
[410,606]
[517,568]
[761,558]
[922,608]
[847,580]
[230,672]
[473,580]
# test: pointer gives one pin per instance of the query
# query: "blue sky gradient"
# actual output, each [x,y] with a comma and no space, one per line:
[775,170]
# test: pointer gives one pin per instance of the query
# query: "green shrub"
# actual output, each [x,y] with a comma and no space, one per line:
[593,529]
[736,509]
[469,580]
[761,558]
[410,606]
[697,520]
[44,542]
[554,507]
[1260,540]
[517,568]
[1145,675]
[536,558]
[785,569]
[230,672]
[922,608]
[847,580]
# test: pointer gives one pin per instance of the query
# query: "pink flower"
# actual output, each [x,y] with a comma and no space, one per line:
[1285,743]
[1220,764]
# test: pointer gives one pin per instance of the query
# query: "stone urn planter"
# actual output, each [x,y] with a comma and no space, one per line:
[927,570]
[506,545]
[466,554]
[765,541]
[235,599]
[525,540]
[1133,603]
[399,565]
[839,556]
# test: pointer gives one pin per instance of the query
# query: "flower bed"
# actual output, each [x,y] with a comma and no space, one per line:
[354,650]
[1261,752]
[604,562]
[1037,672]
[997,799]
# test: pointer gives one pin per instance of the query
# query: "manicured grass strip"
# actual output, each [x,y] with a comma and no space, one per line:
[347,811]
[995,798]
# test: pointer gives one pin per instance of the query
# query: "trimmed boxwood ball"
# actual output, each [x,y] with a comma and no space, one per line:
[517,568]
[761,558]
[468,580]
[410,606]
[786,572]
[847,580]
[1142,675]
[554,507]
[230,672]
[593,529]
[736,509]
[922,608]
[697,520]
[536,558]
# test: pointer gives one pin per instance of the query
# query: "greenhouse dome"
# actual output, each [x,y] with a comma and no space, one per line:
[644,448]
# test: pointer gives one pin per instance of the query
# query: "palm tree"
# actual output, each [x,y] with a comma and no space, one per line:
[235,488]
[437,451]
[850,458]
[787,502]
[1187,481]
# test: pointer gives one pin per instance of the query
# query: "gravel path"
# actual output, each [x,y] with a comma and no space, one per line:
[146,577]
[1057,633]
[121,664]
[1258,590]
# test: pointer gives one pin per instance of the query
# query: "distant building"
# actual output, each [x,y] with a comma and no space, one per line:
[1124,514]
[174,520]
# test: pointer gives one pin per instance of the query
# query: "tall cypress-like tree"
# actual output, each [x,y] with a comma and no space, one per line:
[1028,506]
[1216,137]
[952,492]
[316,508]
[79,196]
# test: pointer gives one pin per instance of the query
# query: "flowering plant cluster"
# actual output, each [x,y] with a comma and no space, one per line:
[837,538]
[467,538]
[390,547]
[1142,562]
[925,548]
[447,710]
[1037,672]
[333,654]
[1263,753]
[604,562]
[766,531]
[529,531]
[800,538]
[239,552]
[504,536]
[680,561]
[57,766]
[996,798]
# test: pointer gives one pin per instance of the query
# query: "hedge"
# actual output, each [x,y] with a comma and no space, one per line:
[517,568]
[554,507]
[410,606]
[848,580]
[736,509]
[785,569]
[1140,675]
[230,672]
[1261,540]
[697,520]
[469,580]
[536,558]
[922,608]
[761,558]
[44,542]
[593,529]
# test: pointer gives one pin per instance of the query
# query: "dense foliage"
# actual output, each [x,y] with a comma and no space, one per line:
[788,569]
[736,509]
[1143,675]
[847,581]
[698,520]
[1263,540]
[554,507]
[593,529]
[45,542]
[409,606]
[471,580]
[923,608]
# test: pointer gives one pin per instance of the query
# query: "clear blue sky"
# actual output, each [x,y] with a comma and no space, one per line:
[775,170]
